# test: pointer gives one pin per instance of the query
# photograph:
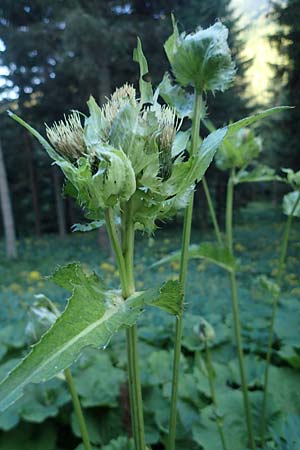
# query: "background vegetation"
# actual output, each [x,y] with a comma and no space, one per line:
[57,54]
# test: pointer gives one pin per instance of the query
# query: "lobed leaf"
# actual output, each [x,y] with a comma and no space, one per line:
[91,317]
[145,84]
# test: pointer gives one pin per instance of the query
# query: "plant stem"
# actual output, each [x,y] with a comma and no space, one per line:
[279,277]
[182,278]
[77,409]
[125,258]
[212,212]
[236,313]
[210,373]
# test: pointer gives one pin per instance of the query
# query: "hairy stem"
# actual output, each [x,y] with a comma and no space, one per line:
[182,278]
[125,260]
[236,313]
[281,264]
[78,410]
[212,212]
[210,373]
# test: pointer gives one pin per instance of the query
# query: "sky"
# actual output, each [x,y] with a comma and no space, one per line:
[254,16]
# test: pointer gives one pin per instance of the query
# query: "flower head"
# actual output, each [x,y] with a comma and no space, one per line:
[66,136]
[201,59]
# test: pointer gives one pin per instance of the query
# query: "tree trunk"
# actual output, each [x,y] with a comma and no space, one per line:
[59,202]
[7,214]
[33,183]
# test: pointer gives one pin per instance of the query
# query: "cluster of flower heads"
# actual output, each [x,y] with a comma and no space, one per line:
[123,151]
[127,149]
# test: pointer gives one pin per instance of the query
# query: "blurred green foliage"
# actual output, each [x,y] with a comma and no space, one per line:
[43,418]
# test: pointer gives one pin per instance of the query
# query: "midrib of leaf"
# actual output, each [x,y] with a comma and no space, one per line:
[106,316]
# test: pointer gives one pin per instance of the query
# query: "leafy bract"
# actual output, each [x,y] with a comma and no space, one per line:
[247,121]
[84,227]
[209,251]
[91,317]
[293,178]
[260,173]
[144,84]
[49,149]
[291,204]
[177,97]
[238,150]
[201,59]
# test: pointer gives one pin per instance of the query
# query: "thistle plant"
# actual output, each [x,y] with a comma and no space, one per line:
[128,165]
[125,164]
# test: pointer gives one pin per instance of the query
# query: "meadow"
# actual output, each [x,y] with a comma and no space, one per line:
[43,418]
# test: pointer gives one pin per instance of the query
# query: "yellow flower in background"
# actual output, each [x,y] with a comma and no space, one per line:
[175,265]
[34,275]
[107,267]
[15,287]
[239,247]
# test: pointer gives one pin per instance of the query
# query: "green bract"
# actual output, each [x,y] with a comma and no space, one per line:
[293,178]
[201,59]
[238,150]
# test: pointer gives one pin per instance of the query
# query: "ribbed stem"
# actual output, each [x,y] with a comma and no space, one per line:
[182,278]
[210,373]
[236,313]
[78,410]
[212,212]
[281,264]
[125,260]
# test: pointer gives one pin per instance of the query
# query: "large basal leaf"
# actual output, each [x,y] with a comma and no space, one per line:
[91,317]
[291,204]
[145,84]
[210,251]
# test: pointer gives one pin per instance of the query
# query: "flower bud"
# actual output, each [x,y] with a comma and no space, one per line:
[201,59]
[205,331]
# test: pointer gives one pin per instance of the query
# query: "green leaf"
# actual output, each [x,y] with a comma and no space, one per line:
[185,174]
[288,438]
[145,84]
[88,226]
[49,149]
[27,437]
[121,443]
[91,317]
[176,97]
[95,390]
[261,173]
[210,251]
[234,127]
[291,204]
[293,178]
[180,142]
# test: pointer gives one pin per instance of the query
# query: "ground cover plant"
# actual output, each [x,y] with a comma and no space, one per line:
[128,166]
